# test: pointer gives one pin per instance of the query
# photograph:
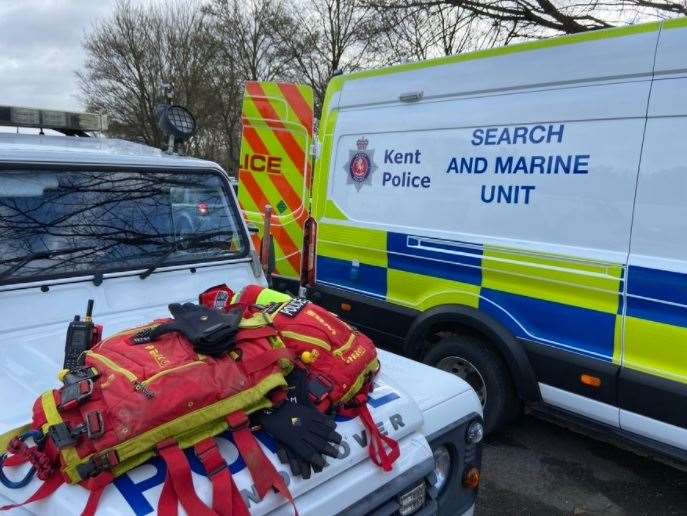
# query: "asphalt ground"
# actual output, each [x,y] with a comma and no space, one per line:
[535,467]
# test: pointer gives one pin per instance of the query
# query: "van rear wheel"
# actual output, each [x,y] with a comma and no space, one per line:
[471,359]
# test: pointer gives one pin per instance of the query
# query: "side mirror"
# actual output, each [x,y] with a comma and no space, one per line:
[253,229]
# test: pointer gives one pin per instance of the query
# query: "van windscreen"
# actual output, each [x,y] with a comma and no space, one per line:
[75,223]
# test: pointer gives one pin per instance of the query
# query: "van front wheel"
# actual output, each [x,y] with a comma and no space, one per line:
[471,359]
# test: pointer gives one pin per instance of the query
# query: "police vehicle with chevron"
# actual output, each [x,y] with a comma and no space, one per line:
[134,228]
[514,216]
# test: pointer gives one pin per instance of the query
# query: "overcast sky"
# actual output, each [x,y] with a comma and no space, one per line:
[40,49]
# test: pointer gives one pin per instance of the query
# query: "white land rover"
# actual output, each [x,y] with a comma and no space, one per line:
[135,228]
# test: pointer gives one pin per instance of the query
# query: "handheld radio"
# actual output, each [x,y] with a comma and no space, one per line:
[80,335]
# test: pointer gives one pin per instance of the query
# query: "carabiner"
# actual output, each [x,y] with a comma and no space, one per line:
[38,439]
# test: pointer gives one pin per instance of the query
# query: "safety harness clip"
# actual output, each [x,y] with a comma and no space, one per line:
[97,465]
[74,393]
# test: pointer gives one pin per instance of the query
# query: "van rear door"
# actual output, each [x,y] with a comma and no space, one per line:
[275,166]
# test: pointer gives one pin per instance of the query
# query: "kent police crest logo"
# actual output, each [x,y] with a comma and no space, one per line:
[360,165]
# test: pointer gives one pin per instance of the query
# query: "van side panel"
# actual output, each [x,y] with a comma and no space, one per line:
[653,382]
[516,201]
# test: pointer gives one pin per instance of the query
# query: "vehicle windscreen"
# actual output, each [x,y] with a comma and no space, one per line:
[75,223]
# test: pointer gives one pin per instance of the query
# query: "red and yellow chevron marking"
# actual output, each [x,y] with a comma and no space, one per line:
[275,166]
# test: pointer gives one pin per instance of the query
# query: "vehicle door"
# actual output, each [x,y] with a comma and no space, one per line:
[653,380]
[275,166]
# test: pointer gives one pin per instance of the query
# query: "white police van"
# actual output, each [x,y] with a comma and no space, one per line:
[135,228]
[517,216]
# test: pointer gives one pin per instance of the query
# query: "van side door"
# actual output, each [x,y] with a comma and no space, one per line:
[653,379]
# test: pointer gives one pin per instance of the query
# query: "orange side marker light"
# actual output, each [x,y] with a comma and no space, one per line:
[590,381]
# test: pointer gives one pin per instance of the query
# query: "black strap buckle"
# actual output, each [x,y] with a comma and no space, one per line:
[63,436]
[74,393]
[97,464]
[81,373]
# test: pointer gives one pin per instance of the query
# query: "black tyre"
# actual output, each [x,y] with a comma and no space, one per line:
[471,358]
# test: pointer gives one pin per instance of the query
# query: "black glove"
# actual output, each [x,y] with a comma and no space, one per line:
[298,393]
[298,466]
[211,332]
[304,434]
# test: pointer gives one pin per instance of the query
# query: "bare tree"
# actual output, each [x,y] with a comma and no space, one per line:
[414,32]
[247,30]
[326,36]
[526,19]
[130,54]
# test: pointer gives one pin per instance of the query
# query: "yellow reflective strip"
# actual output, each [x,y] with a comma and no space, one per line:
[8,436]
[675,23]
[112,365]
[424,292]
[275,147]
[571,281]
[173,370]
[340,351]
[53,417]
[656,348]
[372,367]
[332,211]
[322,165]
[350,243]
[306,338]
[307,93]
[268,296]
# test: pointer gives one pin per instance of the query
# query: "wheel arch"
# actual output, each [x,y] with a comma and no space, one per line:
[500,338]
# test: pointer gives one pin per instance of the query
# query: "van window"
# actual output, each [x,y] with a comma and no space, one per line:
[74,223]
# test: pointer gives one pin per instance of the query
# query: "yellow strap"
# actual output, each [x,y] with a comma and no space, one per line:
[259,320]
[8,436]
[354,389]
[306,338]
[53,417]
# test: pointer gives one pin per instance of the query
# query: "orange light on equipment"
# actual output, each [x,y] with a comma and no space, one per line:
[345,307]
[590,381]
[471,478]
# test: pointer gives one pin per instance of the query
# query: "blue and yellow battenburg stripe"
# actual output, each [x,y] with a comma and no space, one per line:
[564,302]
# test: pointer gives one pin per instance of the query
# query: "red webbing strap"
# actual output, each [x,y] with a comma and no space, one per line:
[261,469]
[378,441]
[266,359]
[180,473]
[96,486]
[226,499]
[15,460]
[168,504]
[46,489]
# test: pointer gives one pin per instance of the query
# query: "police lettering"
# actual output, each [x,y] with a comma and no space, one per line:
[405,180]
[399,158]
[518,135]
[261,163]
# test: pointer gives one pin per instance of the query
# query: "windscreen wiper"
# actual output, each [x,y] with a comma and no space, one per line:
[38,255]
[188,241]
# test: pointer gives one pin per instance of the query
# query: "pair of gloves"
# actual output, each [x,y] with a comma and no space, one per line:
[303,433]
